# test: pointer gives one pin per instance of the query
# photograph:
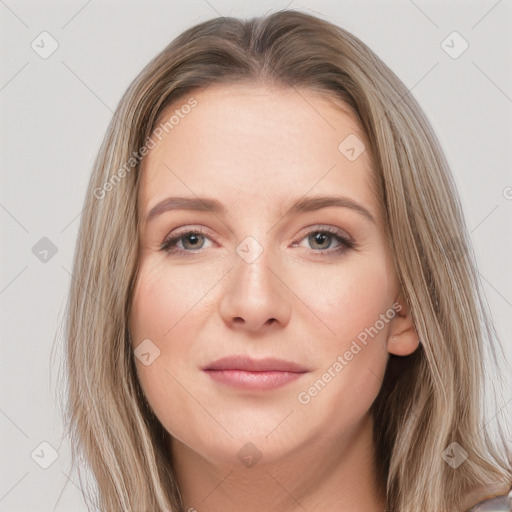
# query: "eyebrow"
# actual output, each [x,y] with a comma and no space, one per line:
[306,204]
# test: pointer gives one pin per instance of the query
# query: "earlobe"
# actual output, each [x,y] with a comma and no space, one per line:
[403,339]
[404,344]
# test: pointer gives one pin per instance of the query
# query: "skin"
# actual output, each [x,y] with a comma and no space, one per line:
[257,149]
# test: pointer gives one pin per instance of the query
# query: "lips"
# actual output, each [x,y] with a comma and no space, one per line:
[248,374]
[248,364]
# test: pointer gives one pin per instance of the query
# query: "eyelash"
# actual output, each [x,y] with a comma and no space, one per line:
[169,243]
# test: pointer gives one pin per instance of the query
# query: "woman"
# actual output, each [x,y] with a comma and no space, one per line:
[275,304]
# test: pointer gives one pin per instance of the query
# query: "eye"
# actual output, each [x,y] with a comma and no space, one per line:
[190,241]
[322,239]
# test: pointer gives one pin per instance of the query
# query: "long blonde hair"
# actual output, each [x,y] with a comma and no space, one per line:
[428,400]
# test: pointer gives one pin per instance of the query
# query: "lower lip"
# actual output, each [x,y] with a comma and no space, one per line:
[256,381]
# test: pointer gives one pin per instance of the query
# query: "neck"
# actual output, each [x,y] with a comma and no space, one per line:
[329,474]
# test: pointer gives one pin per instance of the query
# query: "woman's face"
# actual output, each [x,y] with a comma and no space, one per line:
[270,271]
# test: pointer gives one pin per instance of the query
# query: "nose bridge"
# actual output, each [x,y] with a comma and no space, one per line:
[254,295]
[253,267]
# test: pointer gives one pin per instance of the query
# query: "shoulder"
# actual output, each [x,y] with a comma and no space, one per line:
[499,503]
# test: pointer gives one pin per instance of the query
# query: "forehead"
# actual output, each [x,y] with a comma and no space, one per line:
[257,145]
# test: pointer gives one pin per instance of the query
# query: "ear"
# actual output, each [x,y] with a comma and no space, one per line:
[402,337]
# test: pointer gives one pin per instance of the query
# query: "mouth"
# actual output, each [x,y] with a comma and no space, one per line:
[254,374]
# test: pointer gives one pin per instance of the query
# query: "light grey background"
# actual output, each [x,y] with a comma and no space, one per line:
[54,113]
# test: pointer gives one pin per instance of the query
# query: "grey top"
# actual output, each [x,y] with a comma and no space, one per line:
[496,504]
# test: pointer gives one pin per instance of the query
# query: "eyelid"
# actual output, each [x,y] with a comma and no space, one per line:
[324,227]
[345,241]
[187,229]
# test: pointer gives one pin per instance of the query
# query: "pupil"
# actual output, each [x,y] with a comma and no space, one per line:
[192,239]
[321,238]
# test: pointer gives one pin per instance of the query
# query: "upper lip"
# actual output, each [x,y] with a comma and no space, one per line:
[245,363]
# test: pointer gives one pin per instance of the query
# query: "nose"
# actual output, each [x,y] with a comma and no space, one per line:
[255,297]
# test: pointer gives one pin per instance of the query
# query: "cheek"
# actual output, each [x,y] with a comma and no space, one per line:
[348,298]
[167,309]
[167,299]
[352,358]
